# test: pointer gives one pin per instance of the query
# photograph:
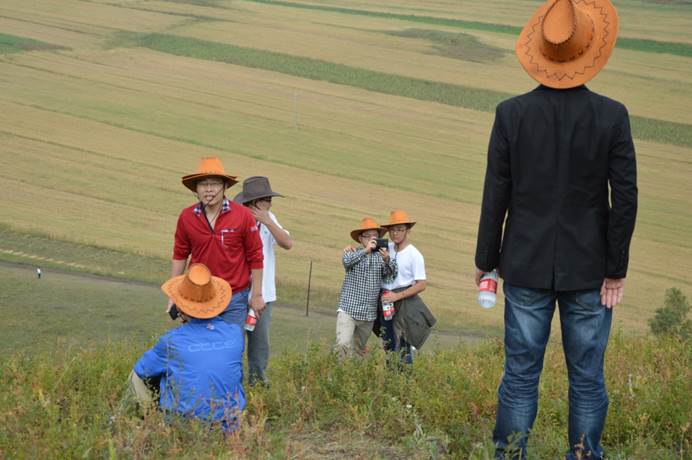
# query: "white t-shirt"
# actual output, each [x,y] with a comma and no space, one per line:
[269,273]
[411,266]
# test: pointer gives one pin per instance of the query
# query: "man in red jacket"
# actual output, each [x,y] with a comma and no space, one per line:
[223,236]
[558,212]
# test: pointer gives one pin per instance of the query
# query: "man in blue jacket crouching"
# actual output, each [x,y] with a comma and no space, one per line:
[198,365]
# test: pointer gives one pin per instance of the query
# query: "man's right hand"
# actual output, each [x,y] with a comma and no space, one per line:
[611,291]
[370,245]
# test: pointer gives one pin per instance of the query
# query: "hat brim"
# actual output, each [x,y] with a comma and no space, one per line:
[409,223]
[202,310]
[576,72]
[242,199]
[190,181]
[356,233]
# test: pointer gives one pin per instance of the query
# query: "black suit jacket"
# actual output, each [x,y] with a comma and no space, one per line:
[552,155]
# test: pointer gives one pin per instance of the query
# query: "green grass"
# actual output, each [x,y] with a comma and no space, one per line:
[455,45]
[655,46]
[35,250]
[66,403]
[635,44]
[426,90]
[473,25]
[650,129]
[42,250]
[74,309]
[13,44]
[316,69]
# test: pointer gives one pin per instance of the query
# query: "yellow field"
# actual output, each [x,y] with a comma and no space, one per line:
[94,138]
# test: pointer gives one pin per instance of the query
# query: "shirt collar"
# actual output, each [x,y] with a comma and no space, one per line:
[225,207]
[542,87]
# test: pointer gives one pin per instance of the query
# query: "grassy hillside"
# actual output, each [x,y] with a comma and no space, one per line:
[67,403]
[72,309]
[352,108]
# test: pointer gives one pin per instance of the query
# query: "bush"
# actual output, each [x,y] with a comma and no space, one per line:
[64,404]
[671,319]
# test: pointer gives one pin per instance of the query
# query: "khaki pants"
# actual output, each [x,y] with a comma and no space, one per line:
[351,334]
[140,391]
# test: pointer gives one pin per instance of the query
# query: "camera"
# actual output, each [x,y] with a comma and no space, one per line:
[173,312]
[381,243]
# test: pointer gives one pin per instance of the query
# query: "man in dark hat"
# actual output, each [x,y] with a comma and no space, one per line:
[555,153]
[222,235]
[257,196]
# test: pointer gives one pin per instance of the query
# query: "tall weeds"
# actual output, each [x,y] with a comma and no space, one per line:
[67,404]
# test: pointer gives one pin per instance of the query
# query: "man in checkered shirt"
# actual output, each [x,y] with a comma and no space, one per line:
[366,269]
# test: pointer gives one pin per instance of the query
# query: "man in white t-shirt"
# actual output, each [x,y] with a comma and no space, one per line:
[398,335]
[257,196]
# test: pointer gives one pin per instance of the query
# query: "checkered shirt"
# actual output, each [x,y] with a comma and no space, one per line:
[360,292]
[225,207]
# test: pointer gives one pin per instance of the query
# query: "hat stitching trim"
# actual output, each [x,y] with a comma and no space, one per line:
[555,75]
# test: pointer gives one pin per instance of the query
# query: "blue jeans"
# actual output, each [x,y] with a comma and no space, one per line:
[392,343]
[236,311]
[585,325]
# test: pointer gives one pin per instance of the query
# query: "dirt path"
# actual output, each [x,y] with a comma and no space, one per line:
[30,270]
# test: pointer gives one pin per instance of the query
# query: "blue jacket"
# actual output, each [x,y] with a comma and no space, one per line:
[201,368]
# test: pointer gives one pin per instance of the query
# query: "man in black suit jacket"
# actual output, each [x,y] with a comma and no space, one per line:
[554,155]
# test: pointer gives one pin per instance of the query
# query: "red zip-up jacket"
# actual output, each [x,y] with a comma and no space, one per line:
[230,250]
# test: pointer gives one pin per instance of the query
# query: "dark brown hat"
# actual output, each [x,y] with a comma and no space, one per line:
[255,187]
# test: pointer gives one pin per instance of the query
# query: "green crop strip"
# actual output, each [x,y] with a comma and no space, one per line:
[468,97]
[13,44]
[635,44]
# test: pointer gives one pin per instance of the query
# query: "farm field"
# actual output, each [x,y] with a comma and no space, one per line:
[351,109]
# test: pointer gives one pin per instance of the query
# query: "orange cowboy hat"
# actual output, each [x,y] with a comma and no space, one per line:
[208,167]
[567,42]
[197,293]
[367,223]
[399,217]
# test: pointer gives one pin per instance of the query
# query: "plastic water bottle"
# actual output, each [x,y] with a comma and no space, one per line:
[251,320]
[487,290]
[387,309]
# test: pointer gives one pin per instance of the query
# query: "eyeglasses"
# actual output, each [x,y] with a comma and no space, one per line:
[268,199]
[398,229]
[210,184]
[368,236]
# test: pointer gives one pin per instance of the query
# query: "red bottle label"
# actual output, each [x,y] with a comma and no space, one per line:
[488,284]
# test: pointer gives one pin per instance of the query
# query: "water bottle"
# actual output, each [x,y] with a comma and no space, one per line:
[387,309]
[487,290]
[251,320]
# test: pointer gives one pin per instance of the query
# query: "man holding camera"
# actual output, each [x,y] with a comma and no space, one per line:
[366,268]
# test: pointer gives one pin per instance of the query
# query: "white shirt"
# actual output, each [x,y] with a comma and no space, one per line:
[411,266]
[269,273]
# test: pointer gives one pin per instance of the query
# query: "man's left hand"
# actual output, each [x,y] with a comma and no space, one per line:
[390,297]
[479,274]
[385,255]
[611,291]
[257,304]
[261,215]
